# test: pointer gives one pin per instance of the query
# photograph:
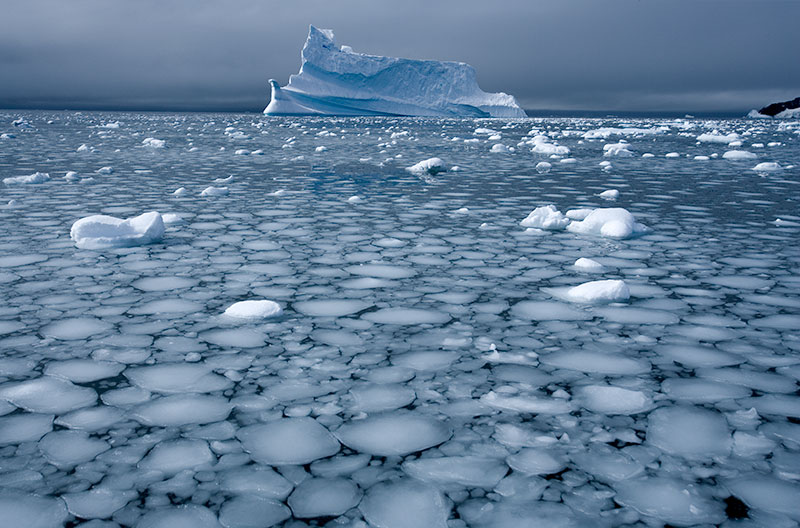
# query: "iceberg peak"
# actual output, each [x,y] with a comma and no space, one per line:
[336,80]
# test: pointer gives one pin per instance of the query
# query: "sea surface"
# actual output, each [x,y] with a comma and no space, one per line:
[430,367]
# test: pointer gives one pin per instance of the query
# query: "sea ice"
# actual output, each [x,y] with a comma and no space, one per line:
[183,516]
[37,177]
[253,309]
[101,231]
[690,432]
[469,471]
[396,433]
[288,441]
[738,155]
[174,456]
[252,512]
[430,166]
[405,503]
[669,501]
[324,497]
[47,395]
[182,409]
[601,291]
[607,399]
[587,264]
[97,503]
[66,449]
[31,511]
[214,191]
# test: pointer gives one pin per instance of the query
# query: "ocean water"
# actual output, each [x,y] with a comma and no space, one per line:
[430,366]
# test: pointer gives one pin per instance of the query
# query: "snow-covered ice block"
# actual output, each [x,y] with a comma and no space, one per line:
[254,309]
[601,291]
[716,137]
[153,143]
[101,231]
[214,191]
[429,166]
[36,177]
[620,150]
[180,191]
[546,217]
[611,194]
[334,80]
[767,166]
[587,264]
[738,155]
[543,167]
[614,222]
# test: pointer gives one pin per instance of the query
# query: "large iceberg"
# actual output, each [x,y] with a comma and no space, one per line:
[335,80]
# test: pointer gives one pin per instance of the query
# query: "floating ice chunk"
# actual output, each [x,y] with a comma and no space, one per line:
[611,194]
[254,309]
[171,219]
[579,214]
[75,329]
[532,461]
[767,493]
[548,311]
[104,170]
[589,265]
[606,399]
[406,316]
[499,148]
[71,176]
[180,191]
[382,271]
[543,167]
[546,217]
[527,511]
[176,377]
[469,471]
[235,338]
[66,449]
[669,501]
[214,191]
[330,307]
[97,503]
[648,155]
[546,148]
[255,480]
[36,177]
[355,199]
[182,409]
[241,152]
[324,497]
[175,456]
[101,231]
[47,395]
[671,155]
[608,464]
[614,222]
[620,150]
[526,404]
[430,166]
[91,418]
[696,390]
[19,428]
[738,155]
[31,511]
[767,166]
[372,398]
[567,161]
[716,137]
[226,179]
[252,512]
[83,370]
[690,432]
[153,143]
[396,433]
[83,148]
[405,503]
[425,360]
[601,291]
[288,441]
[184,516]
[595,362]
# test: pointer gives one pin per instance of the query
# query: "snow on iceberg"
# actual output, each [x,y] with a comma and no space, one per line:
[614,222]
[546,217]
[338,81]
[254,309]
[36,177]
[101,231]
[430,166]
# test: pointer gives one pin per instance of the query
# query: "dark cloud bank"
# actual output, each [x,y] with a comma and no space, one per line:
[605,55]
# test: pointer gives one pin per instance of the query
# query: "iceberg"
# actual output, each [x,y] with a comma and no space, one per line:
[335,80]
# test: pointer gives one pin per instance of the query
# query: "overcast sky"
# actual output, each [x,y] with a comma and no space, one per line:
[640,55]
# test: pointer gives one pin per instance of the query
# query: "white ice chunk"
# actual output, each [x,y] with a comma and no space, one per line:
[738,155]
[19,428]
[154,143]
[36,177]
[254,309]
[611,194]
[252,512]
[768,166]
[397,433]
[595,362]
[587,264]
[97,503]
[767,493]
[214,191]
[184,516]
[594,292]
[614,222]
[534,461]
[175,456]
[288,441]
[546,217]
[176,377]
[83,370]
[429,166]
[372,398]
[101,231]
[66,449]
